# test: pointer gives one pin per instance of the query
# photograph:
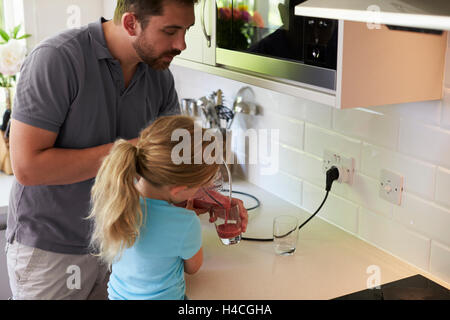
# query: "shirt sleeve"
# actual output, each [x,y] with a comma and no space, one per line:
[193,239]
[45,89]
[171,106]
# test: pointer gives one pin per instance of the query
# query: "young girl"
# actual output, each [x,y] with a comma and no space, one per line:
[149,242]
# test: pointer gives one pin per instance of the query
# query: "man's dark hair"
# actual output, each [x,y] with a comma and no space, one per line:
[144,9]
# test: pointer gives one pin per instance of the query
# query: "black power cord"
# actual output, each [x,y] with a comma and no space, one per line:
[258,203]
[332,175]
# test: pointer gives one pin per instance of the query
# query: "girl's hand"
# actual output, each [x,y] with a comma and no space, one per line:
[242,211]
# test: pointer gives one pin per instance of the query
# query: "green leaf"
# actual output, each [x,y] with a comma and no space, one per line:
[16,31]
[24,36]
[4,35]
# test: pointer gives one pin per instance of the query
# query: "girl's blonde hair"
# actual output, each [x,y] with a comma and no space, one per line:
[115,205]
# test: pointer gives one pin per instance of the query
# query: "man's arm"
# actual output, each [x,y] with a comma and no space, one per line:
[35,161]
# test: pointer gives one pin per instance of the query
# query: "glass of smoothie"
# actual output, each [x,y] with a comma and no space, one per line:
[227,220]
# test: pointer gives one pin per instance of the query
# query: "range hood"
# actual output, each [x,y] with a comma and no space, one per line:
[422,14]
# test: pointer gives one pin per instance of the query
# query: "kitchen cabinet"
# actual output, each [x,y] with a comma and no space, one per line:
[199,48]
[375,66]
[383,66]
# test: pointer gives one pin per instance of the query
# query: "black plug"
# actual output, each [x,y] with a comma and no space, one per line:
[332,175]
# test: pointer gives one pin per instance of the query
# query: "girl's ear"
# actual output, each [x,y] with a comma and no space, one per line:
[177,189]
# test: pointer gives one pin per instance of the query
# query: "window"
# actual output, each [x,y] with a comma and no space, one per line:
[11,14]
[2,15]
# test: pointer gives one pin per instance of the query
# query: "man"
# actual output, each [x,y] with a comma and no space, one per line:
[78,92]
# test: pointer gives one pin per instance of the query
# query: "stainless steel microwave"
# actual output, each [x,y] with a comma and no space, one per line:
[267,38]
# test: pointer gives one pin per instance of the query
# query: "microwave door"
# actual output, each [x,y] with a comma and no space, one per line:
[266,37]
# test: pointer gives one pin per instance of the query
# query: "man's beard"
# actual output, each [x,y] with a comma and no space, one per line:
[146,54]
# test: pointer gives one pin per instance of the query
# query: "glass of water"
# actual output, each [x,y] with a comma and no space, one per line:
[285,235]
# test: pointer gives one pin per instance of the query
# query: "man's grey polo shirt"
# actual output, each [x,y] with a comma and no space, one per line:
[71,85]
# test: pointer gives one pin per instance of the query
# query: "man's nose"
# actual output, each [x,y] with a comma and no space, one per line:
[180,42]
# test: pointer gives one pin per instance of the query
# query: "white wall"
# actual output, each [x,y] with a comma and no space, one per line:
[44,18]
[411,139]
[108,8]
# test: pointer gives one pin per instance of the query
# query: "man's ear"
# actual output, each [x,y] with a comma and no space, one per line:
[130,23]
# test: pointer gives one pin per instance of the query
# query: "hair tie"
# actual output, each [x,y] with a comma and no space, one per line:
[137,150]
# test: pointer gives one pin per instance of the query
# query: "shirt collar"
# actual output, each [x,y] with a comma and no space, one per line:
[98,39]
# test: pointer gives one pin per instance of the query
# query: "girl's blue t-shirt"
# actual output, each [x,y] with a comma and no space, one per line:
[153,268]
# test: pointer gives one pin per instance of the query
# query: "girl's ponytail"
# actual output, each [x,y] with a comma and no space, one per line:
[116,209]
[115,203]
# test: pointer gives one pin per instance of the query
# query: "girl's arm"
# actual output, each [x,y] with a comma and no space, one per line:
[193,264]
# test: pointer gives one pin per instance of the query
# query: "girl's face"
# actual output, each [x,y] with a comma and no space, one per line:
[182,193]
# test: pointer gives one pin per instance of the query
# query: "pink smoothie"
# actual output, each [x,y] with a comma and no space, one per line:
[206,202]
[229,230]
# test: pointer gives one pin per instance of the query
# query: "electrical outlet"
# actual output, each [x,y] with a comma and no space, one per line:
[391,186]
[345,165]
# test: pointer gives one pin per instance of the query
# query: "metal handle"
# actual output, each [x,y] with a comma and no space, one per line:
[208,37]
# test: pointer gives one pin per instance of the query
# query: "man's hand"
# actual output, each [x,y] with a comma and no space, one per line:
[36,161]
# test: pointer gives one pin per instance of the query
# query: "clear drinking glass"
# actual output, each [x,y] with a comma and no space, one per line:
[228,224]
[285,234]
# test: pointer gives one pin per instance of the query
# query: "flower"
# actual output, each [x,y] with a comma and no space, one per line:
[258,20]
[12,55]
[235,27]
[224,13]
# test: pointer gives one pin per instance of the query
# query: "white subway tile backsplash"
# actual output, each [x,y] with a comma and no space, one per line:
[289,106]
[445,117]
[418,175]
[301,165]
[425,217]
[425,142]
[300,109]
[364,191]
[284,186]
[440,261]
[395,238]
[443,187]
[290,131]
[318,139]
[425,111]
[412,139]
[367,125]
[318,114]
[336,210]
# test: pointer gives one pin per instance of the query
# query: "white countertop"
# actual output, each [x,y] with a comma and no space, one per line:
[328,263]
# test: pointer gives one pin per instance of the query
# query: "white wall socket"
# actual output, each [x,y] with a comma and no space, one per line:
[391,186]
[345,165]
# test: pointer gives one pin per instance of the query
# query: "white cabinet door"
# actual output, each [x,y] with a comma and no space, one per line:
[198,48]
